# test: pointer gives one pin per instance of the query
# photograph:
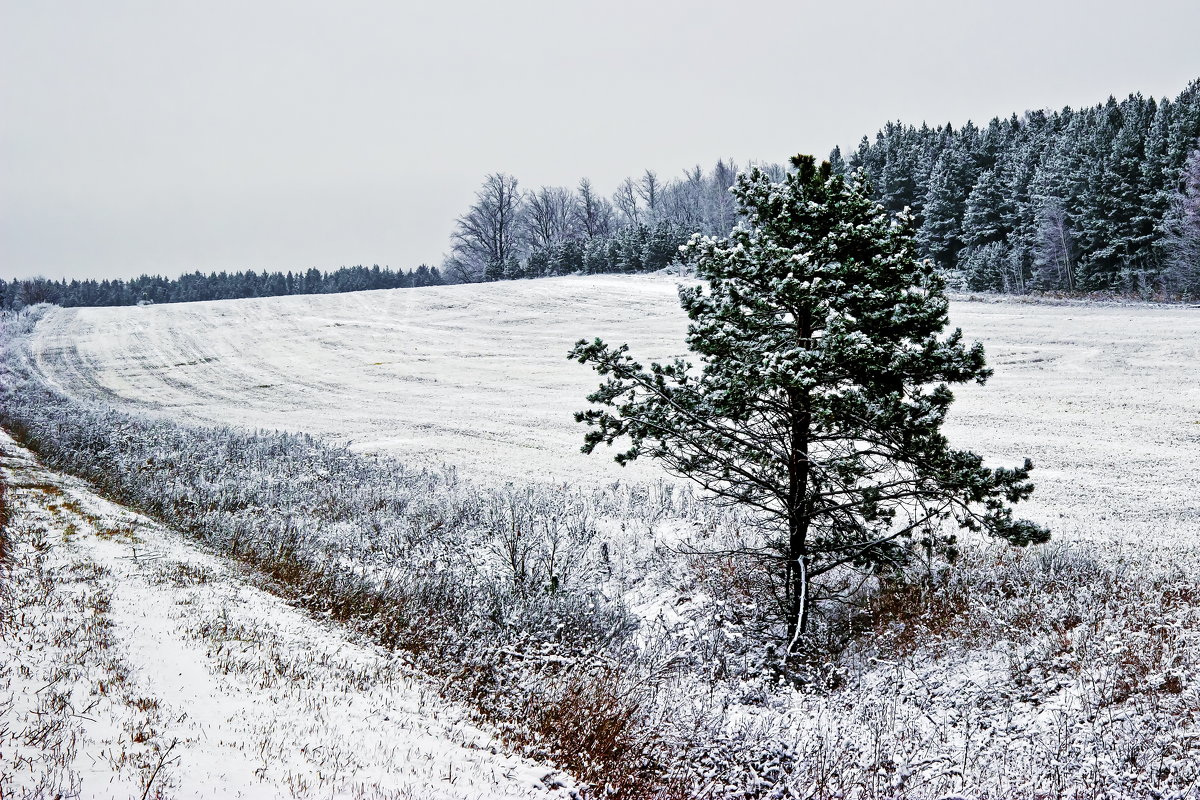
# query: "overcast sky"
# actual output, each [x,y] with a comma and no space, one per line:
[164,137]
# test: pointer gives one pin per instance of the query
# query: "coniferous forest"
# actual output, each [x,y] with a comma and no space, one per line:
[214,286]
[1098,199]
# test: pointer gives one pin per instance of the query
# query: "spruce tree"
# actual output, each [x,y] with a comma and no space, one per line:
[821,392]
[1130,238]
[984,215]
[945,200]
[1156,194]
[836,162]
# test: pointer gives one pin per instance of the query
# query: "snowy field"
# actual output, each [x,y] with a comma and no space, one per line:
[1104,398]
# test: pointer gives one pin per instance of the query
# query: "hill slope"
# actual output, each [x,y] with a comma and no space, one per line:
[1103,398]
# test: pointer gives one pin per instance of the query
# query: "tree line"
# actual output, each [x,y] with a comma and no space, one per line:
[1105,198]
[194,286]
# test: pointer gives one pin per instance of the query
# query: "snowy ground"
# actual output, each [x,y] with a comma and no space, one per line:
[1068,670]
[133,665]
[1104,398]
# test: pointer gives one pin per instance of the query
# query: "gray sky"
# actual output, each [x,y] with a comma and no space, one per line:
[165,137]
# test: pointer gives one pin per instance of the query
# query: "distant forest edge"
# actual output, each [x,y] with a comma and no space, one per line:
[213,286]
[1101,199]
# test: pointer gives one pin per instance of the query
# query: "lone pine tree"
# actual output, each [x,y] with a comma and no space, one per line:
[822,389]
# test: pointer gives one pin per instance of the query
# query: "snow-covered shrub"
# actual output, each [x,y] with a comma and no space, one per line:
[5,550]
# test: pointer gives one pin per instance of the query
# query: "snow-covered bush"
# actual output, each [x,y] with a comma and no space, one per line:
[5,549]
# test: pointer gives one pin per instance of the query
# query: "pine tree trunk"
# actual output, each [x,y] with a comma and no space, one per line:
[799,513]
[799,599]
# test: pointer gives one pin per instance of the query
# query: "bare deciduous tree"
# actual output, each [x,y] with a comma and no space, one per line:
[1182,228]
[649,190]
[1053,257]
[549,217]
[594,213]
[486,242]
[626,201]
